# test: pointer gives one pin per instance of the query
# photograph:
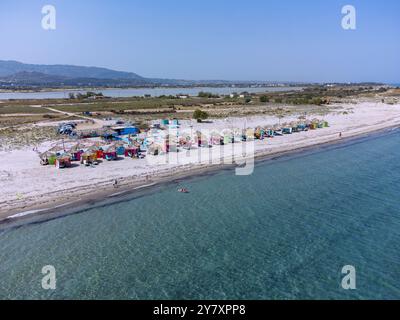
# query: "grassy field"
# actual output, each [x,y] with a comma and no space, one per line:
[140,104]
[18,117]
[313,99]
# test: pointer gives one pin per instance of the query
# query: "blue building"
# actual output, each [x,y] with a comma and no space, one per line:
[122,131]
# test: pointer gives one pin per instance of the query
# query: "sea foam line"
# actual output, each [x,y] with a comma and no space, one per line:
[127,191]
[25,213]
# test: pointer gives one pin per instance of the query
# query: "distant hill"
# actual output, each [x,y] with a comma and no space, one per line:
[15,75]
[8,68]
[32,77]
[38,79]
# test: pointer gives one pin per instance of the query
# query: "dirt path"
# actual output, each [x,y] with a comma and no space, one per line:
[97,123]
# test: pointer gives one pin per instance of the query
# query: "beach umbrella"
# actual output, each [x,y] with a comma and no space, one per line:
[110,149]
[92,148]
[276,127]
[86,155]
[77,147]
[119,144]
[46,154]
[56,149]
[65,157]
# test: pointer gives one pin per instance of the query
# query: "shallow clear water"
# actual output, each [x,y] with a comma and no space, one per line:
[284,232]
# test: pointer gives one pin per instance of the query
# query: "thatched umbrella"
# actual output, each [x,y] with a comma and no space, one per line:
[93,149]
[135,143]
[46,155]
[215,134]
[119,144]
[154,149]
[76,148]
[56,149]
[276,127]
[110,149]
[65,157]
[88,156]
[280,116]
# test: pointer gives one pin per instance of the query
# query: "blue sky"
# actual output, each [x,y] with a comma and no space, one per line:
[278,40]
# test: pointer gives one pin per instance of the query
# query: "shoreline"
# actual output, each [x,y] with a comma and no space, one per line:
[239,84]
[227,85]
[104,193]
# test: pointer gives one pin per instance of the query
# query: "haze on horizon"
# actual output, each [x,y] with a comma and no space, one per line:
[271,40]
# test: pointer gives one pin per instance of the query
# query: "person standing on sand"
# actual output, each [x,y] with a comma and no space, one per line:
[115,184]
[340,135]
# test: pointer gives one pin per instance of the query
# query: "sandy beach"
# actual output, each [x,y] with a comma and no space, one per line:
[29,187]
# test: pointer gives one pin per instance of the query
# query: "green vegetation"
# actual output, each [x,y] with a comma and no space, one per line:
[89,94]
[203,94]
[299,101]
[200,115]
[132,104]
[315,99]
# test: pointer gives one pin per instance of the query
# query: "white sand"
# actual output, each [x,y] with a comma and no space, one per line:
[27,185]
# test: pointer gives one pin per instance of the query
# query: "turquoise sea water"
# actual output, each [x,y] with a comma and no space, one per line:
[284,232]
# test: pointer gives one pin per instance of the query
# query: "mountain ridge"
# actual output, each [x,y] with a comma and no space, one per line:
[14,73]
[17,75]
[10,67]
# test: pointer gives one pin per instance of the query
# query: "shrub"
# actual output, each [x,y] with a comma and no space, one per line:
[200,115]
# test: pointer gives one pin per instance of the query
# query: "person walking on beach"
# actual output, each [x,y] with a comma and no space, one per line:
[340,135]
[115,184]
